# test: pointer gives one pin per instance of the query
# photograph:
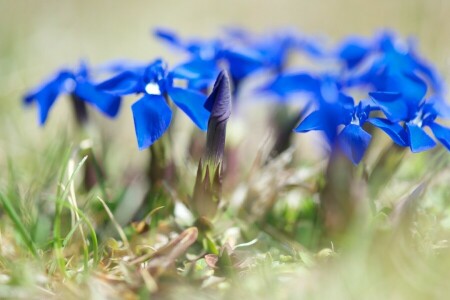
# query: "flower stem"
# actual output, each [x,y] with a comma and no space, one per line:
[80,110]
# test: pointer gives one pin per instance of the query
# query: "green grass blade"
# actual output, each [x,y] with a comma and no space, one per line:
[21,229]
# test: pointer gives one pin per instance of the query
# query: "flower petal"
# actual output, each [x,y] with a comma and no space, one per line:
[313,121]
[106,103]
[418,138]
[192,104]
[46,94]
[152,117]
[242,62]
[392,104]
[122,84]
[199,73]
[168,36]
[412,87]
[353,141]
[353,51]
[441,133]
[396,132]
[290,83]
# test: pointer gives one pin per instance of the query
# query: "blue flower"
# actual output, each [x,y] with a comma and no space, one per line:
[352,139]
[392,66]
[286,84]
[78,83]
[409,129]
[151,113]
[276,46]
[210,56]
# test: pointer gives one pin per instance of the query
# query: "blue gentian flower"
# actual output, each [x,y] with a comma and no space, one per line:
[286,84]
[353,140]
[79,84]
[392,67]
[211,56]
[151,113]
[276,46]
[418,116]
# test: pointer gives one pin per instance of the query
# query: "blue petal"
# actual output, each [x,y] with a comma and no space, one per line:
[195,68]
[392,104]
[106,103]
[199,73]
[152,117]
[168,36]
[430,72]
[123,84]
[437,106]
[353,51]
[121,65]
[313,121]
[310,47]
[396,132]
[192,104]
[441,133]
[418,138]
[353,141]
[283,85]
[412,88]
[242,62]
[46,94]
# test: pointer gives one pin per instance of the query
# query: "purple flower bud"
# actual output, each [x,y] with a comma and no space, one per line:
[208,185]
[219,104]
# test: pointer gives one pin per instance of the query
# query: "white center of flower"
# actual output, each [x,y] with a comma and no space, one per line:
[418,120]
[355,120]
[69,85]
[152,89]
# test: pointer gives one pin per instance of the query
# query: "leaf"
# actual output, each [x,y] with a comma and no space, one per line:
[164,257]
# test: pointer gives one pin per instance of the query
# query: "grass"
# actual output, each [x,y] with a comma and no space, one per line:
[270,244]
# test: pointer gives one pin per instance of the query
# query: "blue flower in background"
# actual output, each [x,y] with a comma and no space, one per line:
[208,57]
[151,113]
[286,84]
[401,85]
[414,117]
[276,47]
[391,66]
[398,80]
[335,109]
[78,83]
[353,50]
[353,140]
[241,56]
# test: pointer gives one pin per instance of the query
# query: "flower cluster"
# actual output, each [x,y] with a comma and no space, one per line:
[405,95]
[404,92]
